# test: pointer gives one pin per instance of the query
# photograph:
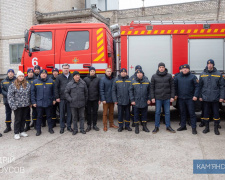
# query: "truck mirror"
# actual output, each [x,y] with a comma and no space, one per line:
[26,33]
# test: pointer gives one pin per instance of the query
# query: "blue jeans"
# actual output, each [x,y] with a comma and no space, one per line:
[64,107]
[158,107]
[187,105]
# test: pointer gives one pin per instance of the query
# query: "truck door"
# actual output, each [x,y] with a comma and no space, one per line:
[201,50]
[41,49]
[77,50]
[149,51]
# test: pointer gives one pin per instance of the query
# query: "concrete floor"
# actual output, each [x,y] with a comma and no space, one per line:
[109,155]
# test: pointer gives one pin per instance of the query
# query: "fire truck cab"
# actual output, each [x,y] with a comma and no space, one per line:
[79,45]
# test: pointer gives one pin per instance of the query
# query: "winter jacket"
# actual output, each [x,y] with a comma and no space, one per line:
[162,86]
[139,92]
[105,87]
[42,92]
[186,86]
[18,98]
[120,90]
[60,85]
[4,86]
[211,85]
[76,93]
[92,83]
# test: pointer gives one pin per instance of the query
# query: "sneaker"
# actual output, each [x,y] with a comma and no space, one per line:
[16,136]
[23,134]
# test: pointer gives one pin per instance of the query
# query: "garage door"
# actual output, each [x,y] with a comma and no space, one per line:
[200,50]
[149,51]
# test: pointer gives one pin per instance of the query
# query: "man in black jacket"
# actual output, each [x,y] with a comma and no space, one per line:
[92,82]
[187,91]
[4,86]
[55,73]
[139,93]
[60,84]
[76,93]
[162,93]
[211,93]
[120,95]
[30,79]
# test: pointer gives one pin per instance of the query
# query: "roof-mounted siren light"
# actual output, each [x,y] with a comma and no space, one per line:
[115,29]
[206,26]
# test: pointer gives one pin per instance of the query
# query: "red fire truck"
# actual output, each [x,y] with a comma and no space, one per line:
[144,43]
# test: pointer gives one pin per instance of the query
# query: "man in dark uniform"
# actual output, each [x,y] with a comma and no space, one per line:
[139,93]
[36,71]
[132,78]
[211,93]
[92,82]
[120,95]
[4,86]
[55,73]
[42,97]
[187,91]
[30,79]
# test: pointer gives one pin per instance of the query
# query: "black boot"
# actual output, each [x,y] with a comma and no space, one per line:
[38,133]
[155,130]
[145,127]
[170,129]
[182,128]
[8,128]
[51,131]
[61,130]
[88,128]
[27,128]
[202,124]
[206,130]
[216,126]
[128,128]
[194,131]
[95,128]
[120,129]
[0,135]
[136,128]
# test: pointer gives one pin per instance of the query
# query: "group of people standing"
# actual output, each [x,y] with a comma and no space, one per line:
[74,96]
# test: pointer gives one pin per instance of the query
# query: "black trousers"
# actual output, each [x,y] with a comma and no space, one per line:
[124,109]
[78,113]
[214,106]
[40,111]
[8,113]
[92,112]
[20,117]
[54,110]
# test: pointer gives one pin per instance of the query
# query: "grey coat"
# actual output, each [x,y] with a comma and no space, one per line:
[76,93]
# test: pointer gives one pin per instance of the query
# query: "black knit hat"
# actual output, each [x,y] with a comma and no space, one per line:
[210,61]
[37,67]
[75,73]
[186,66]
[55,69]
[139,71]
[138,67]
[123,70]
[161,64]
[91,68]
[43,71]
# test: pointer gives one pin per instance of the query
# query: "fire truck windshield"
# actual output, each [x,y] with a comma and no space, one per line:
[40,41]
